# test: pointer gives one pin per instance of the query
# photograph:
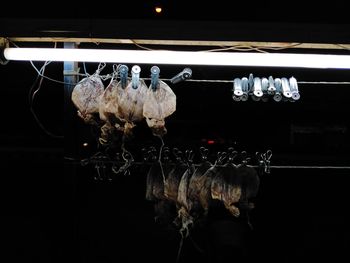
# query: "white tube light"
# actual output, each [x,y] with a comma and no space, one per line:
[180,57]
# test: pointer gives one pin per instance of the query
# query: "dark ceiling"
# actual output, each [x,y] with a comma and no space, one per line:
[257,11]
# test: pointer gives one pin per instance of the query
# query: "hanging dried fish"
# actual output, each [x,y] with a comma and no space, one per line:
[86,96]
[130,104]
[107,108]
[160,103]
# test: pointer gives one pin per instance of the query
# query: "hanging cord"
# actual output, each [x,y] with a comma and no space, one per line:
[160,158]
[195,245]
[85,72]
[127,157]
[180,247]
[31,97]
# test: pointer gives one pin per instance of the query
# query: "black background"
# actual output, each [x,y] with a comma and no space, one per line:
[52,210]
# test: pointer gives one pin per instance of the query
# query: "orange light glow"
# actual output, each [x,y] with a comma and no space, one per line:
[158,9]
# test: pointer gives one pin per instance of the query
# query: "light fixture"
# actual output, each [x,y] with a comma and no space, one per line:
[180,57]
[158,9]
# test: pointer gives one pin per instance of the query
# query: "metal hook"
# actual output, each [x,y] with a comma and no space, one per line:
[189,156]
[155,77]
[204,153]
[221,156]
[153,153]
[100,67]
[166,154]
[98,177]
[266,158]
[178,155]
[232,154]
[244,157]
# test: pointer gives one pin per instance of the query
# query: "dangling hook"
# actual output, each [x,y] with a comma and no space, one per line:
[231,153]
[245,158]
[189,156]
[204,153]
[266,158]
[178,154]
[166,154]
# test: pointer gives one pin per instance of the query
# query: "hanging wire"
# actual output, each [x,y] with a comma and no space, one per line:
[231,81]
[309,167]
[330,167]
[31,96]
[160,159]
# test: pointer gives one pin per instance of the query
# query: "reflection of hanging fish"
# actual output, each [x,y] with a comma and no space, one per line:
[194,189]
[159,104]
[86,97]
[235,186]
[163,207]
[227,187]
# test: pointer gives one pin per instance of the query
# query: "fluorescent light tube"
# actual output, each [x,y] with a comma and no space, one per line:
[180,57]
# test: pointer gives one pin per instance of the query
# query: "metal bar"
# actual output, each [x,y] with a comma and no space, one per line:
[239,44]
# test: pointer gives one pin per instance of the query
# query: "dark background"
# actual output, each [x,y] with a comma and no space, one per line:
[52,210]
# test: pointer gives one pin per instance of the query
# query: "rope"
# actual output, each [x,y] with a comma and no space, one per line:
[160,159]
[180,248]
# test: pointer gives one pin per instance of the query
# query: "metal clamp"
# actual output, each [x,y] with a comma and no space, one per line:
[135,76]
[155,77]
